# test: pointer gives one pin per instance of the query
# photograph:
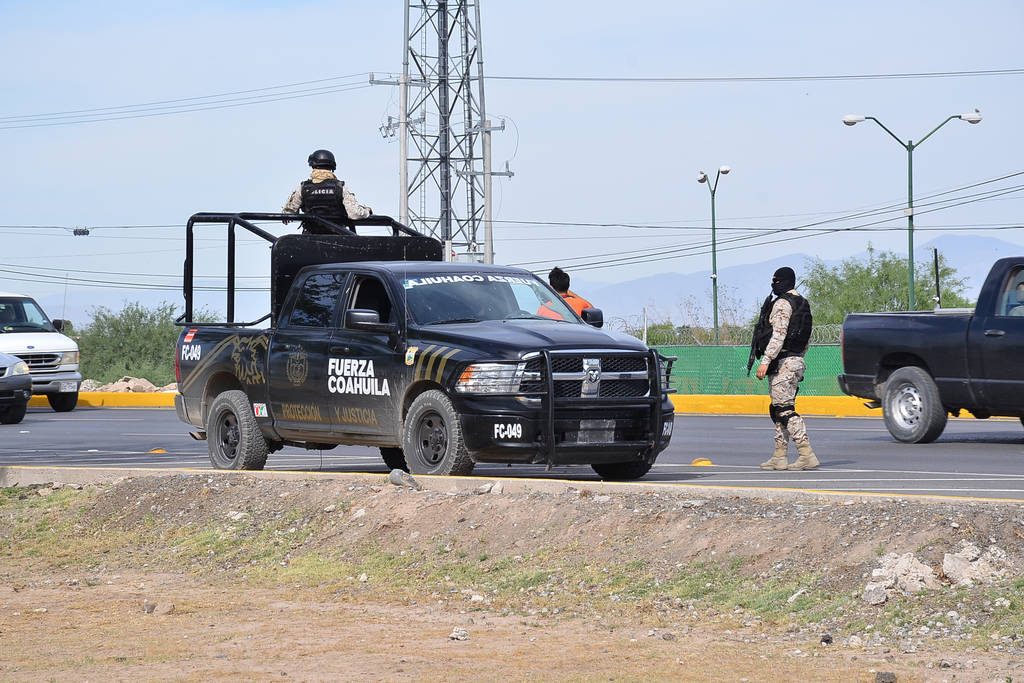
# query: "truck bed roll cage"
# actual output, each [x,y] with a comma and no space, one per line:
[329,227]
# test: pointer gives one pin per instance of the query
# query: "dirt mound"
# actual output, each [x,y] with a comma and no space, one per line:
[740,577]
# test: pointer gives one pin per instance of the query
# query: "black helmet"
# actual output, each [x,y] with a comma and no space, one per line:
[322,159]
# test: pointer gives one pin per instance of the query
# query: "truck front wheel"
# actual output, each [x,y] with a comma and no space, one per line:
[622,471]
[63,403]
[233,437]
[12,415]
[432,437]
[911,406]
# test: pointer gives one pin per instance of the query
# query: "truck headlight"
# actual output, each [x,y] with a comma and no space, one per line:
[19,368]
[69,358]
[491,378]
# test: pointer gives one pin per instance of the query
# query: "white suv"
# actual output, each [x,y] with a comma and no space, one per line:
[52,358]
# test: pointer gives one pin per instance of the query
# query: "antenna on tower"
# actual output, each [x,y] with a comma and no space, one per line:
[443,131]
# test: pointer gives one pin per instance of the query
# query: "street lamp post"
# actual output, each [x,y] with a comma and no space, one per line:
[910,146]
[702,177]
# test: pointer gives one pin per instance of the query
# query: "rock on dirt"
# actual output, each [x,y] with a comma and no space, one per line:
[969,565]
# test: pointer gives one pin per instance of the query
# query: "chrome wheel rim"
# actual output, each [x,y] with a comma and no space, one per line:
[906,406]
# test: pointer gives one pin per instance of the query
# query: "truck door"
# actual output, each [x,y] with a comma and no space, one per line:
[996,347]
[364,370]
[299,352]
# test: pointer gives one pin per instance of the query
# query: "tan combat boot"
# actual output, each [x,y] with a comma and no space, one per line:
[777,461]
[806,461]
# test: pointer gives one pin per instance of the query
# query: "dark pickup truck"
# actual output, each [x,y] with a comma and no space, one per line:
[374,341]
[921,366]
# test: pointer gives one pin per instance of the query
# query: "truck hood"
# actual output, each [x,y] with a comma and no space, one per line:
[19,343]
[512,338]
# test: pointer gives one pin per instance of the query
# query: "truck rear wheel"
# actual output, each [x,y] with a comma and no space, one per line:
[432,437]
[623,471]
[233,437]
[63,403]
[394,458]
[911,406]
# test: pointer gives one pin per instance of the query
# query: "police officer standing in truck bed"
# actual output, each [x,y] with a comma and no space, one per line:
[324,195]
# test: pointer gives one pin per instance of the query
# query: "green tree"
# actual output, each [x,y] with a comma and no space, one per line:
[876,283]
[136,341]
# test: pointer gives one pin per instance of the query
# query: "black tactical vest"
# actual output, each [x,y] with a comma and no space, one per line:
[798,334]
[325,198]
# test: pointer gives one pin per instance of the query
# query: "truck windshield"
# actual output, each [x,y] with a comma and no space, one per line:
[435,299]
[22,315]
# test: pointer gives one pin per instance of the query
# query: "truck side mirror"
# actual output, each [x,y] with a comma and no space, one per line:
[58,324]
[367,321]
[593,316]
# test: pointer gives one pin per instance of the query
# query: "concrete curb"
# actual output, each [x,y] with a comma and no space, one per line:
[17,475]
[839,406]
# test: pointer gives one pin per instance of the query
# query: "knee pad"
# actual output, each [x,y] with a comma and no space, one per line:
[784,413]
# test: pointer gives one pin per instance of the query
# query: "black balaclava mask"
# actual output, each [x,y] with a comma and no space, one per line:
[783,280]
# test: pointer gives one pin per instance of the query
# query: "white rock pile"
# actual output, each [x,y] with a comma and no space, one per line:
[908,575]
[128,384]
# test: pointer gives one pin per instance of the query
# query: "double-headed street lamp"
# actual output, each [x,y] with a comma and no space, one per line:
[702,177]
[910,146]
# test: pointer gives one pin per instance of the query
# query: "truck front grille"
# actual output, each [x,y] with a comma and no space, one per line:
[597,375]
[41,363]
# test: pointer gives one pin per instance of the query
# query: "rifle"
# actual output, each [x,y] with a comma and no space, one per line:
[762,333]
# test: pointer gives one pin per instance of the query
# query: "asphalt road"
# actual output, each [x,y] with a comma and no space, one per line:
[983,458]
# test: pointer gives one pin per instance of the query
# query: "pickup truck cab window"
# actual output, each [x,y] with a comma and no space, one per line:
[316,301]
[475,297]
[1011,299]
[370,294]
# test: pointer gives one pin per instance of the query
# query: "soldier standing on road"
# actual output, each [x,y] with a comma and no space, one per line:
[324,195]
[788,317]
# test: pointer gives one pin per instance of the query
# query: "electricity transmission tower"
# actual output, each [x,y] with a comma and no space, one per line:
[444,134]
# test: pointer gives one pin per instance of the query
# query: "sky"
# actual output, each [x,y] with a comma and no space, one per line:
[619,152]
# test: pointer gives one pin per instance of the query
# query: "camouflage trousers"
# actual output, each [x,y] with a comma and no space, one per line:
[784,386]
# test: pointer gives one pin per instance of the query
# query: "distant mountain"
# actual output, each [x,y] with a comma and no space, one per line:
[673,295]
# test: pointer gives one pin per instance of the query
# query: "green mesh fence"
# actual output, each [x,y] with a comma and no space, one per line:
[723,370]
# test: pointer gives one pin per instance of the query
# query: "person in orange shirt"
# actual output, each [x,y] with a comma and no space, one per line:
[559,280]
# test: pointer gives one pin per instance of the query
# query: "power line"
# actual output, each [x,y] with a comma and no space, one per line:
[661,254]
[761,79]
[183,99]
[165,111]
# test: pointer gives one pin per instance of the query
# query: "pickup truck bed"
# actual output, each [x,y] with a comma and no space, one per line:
[920,366]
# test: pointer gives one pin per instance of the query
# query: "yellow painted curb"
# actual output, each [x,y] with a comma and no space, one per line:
[839,406]
[116,399]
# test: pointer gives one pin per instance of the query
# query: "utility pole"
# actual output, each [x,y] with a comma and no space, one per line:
[444,145]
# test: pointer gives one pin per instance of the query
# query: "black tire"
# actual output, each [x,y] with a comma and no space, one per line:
[623,471]
[394,458]
[234,439]
[63,403]
[911,406]
[12,415]
[432,437]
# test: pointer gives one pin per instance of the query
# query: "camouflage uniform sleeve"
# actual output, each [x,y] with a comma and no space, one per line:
[779,319]
[353,208]
[294,201]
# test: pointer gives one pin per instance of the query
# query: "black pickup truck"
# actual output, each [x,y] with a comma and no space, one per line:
[921,366]
[374,341]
